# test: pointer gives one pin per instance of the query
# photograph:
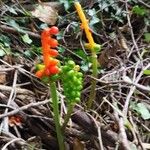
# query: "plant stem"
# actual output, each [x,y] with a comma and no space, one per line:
[56,115]
[68,115]
[93,82]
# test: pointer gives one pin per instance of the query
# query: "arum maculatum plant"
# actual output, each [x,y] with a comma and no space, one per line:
[47,70]
[50,71]
[94,48]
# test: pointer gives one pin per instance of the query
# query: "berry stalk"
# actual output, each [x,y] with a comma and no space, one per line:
[56,115]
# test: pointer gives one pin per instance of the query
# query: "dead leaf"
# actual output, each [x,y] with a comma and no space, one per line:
[77,144]
[45,13]
[15,121]
[2,78]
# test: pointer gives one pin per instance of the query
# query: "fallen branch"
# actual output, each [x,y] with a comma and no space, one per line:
[24,108]
[13,30]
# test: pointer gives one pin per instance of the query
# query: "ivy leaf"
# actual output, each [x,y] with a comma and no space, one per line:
[67,4]
[147,37]
[5,40]
[141,109]
[94,18]
[146,72]
[145,114]
[26,39]
[139,10]
[3,50]
[133,146]
[15,25]
[2,53]
[61,49]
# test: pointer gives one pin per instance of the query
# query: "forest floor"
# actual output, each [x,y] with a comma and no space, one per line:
[120,115]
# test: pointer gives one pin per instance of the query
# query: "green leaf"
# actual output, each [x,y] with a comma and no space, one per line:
[146,72]
[14,24]
[133,146]
[43,26]
[142,109]
[28,54]
[67,4]
[94,18]
[139,10]
[61,49]
[81,54]
[26,39]
[85,66]
[3,50]
[5,40]
[147,37]
[2,53]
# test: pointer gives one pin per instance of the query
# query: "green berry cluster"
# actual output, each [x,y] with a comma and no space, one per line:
[72,81]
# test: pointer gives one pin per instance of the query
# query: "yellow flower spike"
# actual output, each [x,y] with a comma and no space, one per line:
[85,25]
[94,49]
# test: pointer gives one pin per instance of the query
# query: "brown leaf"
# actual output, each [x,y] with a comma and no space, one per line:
[2,78]
[78,145]
[45,13]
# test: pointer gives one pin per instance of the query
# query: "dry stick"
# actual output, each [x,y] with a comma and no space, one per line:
[13,112]
[135,131]
[132,89]
[10,142]
[145,4]
[122,136]
[18,90]
[130,26]
[98,131]
[120,121]
[4,124]
[142,87]
[23,71]
[12,30]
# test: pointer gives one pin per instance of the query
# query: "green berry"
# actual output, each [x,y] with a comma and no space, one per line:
[79,87]
[77,99]
[39,67]
[65,69]
[97,47]
[71,64]
[75,79]
[77,68]
[79,74]
[78,94]
[71,73]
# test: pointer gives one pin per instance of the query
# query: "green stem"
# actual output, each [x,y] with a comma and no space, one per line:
[68,115]
[56,115]
[93,82]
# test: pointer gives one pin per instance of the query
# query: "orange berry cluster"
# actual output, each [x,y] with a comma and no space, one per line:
[49,53]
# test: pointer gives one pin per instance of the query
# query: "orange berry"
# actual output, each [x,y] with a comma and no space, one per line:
[47,72]
[39,73]
[54,70]
[53,43]
[53,52]
[53,30]
[53,61]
